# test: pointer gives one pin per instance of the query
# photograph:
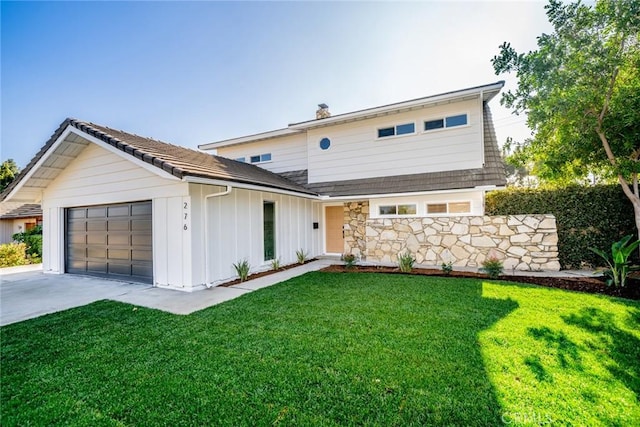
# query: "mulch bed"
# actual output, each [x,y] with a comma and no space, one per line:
[265,273]
[593,285]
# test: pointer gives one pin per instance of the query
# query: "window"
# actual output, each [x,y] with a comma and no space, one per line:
[446,122]
[448,208]
[260,158]
[240,159]
[269,230]
[325,143]
[404,209]
[402,129]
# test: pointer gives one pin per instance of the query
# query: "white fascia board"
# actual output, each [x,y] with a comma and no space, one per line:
[39,163]
[248,138]
[416,193]
[149,167]
[400,106]
[234,184]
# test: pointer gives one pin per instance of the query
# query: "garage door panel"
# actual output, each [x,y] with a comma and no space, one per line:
[96,226]
[141,240]
[141,225]
[118,211]
[118,225]
[96,267]
[97,239]
[141,255]
[96,212]
[111,240]
[120,269]
[116,238]
[141,209]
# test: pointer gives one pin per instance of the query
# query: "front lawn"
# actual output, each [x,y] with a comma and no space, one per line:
[333,349]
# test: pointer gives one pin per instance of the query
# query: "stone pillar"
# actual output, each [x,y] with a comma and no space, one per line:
[356,215]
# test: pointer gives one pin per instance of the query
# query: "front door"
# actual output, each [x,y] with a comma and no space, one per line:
[334,218]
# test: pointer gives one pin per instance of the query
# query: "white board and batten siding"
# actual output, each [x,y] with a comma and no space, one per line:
[235,230]
[98,176]
[356,152]
[288,153]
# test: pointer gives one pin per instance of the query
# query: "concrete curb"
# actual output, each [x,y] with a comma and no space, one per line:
[20,269]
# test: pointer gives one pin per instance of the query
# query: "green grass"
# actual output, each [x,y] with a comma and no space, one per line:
[333,349]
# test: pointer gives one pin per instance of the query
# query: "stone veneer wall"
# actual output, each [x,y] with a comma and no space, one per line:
[523,242]
[356,215]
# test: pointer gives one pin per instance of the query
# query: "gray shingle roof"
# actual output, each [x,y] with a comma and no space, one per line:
[173,159]
[493,173]
[10,210]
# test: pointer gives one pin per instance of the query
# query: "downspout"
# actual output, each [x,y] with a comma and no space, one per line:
[206,232]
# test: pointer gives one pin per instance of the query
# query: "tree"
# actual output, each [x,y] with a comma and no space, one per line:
[581,91]
[8,172]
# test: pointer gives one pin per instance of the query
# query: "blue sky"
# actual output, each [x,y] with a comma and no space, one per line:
[195,72]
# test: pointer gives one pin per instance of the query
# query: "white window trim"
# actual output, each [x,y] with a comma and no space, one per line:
[260,162]
[444,119]
[396,215]
[395,129]
[446,202]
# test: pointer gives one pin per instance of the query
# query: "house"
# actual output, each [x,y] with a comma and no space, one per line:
[18,218]
[371,182]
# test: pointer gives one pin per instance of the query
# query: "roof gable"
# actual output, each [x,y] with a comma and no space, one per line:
[179,162]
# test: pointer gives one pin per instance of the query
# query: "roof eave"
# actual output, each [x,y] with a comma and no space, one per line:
[487,92]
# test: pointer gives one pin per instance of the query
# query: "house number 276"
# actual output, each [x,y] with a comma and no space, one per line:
[185,213]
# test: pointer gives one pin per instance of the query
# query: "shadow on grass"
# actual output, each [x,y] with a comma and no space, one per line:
[623,347]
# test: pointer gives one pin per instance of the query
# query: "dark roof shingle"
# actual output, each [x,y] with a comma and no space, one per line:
[9,210]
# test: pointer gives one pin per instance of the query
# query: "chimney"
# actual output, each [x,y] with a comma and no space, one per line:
[323,112]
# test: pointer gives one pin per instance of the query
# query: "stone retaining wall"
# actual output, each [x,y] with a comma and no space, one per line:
[523,242]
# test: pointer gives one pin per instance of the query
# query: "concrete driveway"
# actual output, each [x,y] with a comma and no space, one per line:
[32,294]
[28,294]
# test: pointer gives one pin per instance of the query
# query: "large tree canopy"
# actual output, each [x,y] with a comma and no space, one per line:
[8,172]
[581,91]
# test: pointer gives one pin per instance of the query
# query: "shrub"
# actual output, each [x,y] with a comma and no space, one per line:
[349,261]
[275,264]
[405,262]
[242,268]
[585,216]
[33,239]
[13,254]
[447,268]
[493,267]
[301,255]
[618,261]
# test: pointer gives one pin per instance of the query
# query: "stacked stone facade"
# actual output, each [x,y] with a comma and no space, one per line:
[522,242]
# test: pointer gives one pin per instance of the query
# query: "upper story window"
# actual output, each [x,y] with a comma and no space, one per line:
[402,129]
[401,209]
[446,122]
[261,158]
[448,208]
[240,159]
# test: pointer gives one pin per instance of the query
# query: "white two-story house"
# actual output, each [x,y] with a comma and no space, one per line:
[368,182]
[427,157]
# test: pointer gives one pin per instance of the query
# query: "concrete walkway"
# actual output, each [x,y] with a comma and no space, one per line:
[26,293]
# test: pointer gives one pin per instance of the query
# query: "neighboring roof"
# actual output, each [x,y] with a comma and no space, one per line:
[487,92]
[492,174]
[11,210]
[178,161]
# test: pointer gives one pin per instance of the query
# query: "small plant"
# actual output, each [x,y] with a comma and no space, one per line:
[33,239]
[13,254]
[493,267]
[275,264]
[619,263]
[447,268]
[405,262]
[301,255]
[242,268]
[349,261]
